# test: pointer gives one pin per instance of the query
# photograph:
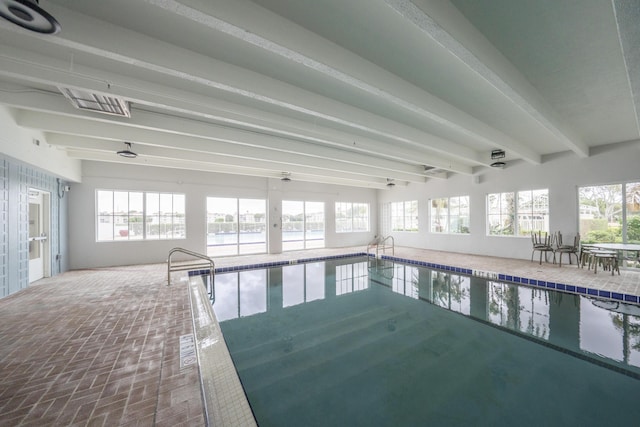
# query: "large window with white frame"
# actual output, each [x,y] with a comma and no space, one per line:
[236,226]
[139,215]
[352,217]
[404,216]
[610,213]
[450,215]
[302,225]
[518,213]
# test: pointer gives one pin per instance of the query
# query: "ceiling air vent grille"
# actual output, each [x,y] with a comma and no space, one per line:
[96,102]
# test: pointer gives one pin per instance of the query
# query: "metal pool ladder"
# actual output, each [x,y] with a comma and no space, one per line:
[385,269]
[203,261]
[383,244]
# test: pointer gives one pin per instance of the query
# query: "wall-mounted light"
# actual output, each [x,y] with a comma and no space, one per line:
[390,183]
[286,177]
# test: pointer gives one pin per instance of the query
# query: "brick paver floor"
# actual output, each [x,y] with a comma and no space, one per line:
[101,346]
[98,347]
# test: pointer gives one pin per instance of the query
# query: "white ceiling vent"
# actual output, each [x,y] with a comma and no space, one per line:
[96,102]
[438,173]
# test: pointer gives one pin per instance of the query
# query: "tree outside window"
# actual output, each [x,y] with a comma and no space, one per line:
[450,215]
[610,213]
[404,216]
[518,213]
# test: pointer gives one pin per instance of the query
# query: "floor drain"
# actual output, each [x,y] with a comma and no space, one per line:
[187,350]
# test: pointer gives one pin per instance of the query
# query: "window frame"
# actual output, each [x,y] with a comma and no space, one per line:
[446,217]
[514,216]
[235,242]
[403,212]
[345,214]
[133,233]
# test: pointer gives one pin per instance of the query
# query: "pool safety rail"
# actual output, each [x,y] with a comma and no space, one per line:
[201,262]
[381,244]
[375,262]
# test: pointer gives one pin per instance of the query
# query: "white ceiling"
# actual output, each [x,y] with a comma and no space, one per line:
[350,92]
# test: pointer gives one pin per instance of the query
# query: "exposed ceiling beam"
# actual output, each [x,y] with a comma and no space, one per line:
[298,45]
[627,15]
[40,69]
[501,74]
[253,160]
[331,160]
[87,35]
[227,169]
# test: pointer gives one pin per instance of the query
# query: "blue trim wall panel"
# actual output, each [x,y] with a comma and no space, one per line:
[15,180]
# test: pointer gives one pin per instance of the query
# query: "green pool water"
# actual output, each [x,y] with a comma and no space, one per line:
[349,342]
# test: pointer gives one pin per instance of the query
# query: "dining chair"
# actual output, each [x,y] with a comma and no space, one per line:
[544,244]
[569,249]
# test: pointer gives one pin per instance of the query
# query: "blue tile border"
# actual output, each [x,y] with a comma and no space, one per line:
[484,274]
[274,264]
[562,287]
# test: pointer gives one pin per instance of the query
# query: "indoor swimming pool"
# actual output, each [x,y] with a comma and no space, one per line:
[356,341]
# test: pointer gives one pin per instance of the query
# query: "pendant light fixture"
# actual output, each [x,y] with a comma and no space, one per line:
[127,152]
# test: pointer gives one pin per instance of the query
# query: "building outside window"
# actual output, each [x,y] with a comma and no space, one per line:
[450,215]
[302,225]
[352,217]
[610,213]
[518,213]
[236,226]
[137,215]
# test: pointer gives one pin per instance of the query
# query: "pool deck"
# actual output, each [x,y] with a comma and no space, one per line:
[102,346]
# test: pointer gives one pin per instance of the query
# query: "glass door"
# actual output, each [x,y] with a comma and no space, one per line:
[38,234]
[236,226]
[302,225]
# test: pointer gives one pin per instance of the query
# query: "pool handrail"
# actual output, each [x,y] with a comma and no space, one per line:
[194,265]
[381,243]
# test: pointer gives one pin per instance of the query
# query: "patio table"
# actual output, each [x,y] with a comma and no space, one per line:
[620,248]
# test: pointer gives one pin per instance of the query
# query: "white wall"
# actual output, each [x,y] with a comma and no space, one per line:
[31,147]
[562,174]
[85,252]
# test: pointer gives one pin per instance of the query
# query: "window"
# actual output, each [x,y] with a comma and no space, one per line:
[137,215]
[236,226]
[352,217]
[404,216]
[518,214]
[302,225]
[450,215]
[610,213]
[533,211]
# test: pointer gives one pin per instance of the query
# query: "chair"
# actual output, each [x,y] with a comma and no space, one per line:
[586,257]
[608,260]
[562,248]
[543,244]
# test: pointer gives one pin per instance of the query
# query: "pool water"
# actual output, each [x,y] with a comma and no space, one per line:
[355,342]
